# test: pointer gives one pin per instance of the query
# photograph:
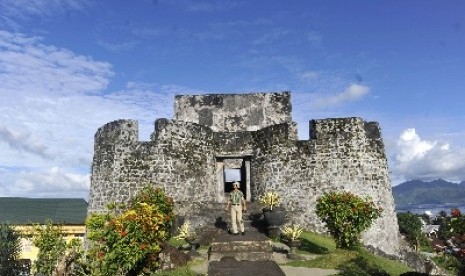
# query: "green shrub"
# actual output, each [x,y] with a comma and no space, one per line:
[346,216]
[449,263]
[127,242]
[10,248]
[49,239]
[410,226]
[457,225]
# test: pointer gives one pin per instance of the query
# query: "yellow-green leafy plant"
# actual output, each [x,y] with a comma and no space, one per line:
[56,256]
[184,231]
[49,238]
[270,199]
[292,232]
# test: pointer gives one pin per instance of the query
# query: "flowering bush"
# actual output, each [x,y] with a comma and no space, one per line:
[346,215]
[455,213]
[292,232]
[457,222]
[128,243]
[270,199]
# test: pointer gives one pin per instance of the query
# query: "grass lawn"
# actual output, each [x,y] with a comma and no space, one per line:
[349,262]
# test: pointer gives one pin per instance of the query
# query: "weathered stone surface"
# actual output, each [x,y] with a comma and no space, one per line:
[187,155]
[232,267]
[241,250]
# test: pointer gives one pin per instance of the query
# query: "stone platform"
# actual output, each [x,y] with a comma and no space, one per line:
[244,248]
[231,267]
[249,254]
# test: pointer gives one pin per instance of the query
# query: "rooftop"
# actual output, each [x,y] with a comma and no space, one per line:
[23,211]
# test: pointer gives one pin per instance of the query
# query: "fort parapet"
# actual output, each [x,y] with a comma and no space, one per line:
[253,136]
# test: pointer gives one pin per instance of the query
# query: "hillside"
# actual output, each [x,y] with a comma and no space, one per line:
[434,192]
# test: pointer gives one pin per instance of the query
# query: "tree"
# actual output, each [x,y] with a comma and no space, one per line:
[49,239]
[410,226]
[346,216]
[443,220]
[10,248]
[457,222]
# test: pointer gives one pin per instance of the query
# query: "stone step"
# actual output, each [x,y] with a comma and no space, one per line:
[241,250]
[241,246]
[252,246]
[232,267]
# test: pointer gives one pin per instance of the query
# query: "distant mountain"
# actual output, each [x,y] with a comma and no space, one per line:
[434,192]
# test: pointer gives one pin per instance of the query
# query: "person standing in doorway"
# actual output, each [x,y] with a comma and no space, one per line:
[237,202]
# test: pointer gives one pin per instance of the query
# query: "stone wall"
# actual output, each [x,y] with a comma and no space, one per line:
[341,155]
[186,156]
[234,112]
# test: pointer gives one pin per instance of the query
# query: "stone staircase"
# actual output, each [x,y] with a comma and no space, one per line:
[253,246]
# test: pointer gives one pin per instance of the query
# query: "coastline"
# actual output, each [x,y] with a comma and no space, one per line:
[433,208]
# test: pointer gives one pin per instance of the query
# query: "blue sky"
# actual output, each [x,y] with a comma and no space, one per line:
[69,66]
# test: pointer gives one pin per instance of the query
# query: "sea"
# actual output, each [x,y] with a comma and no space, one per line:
[426,208]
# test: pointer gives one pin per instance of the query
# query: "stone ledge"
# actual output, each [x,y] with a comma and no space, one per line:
[242,256]
[241,250]
[241,246]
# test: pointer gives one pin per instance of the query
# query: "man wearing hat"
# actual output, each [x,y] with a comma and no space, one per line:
[237,201]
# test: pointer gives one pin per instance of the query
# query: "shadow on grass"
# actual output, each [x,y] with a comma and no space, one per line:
[311,247]
[359,266]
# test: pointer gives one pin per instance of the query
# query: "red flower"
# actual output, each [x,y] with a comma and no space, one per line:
[455,213]
[123,233]
[143,246]
[100,255]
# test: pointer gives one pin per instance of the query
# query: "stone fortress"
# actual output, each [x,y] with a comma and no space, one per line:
[252,137]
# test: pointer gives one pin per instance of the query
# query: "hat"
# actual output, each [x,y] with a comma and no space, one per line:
[236,184]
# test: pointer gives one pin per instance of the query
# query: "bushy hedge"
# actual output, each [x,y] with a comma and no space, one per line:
[346,216]
[126,241]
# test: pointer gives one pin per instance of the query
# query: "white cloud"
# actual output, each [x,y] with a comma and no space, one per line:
[208,6]
[352,93]
[271,36]
[53,102]
[412,147]
[309,76]
[427,160]
[240,24]
[29,66]
[55,182]
[23,141]
[25,8]
[117,47]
